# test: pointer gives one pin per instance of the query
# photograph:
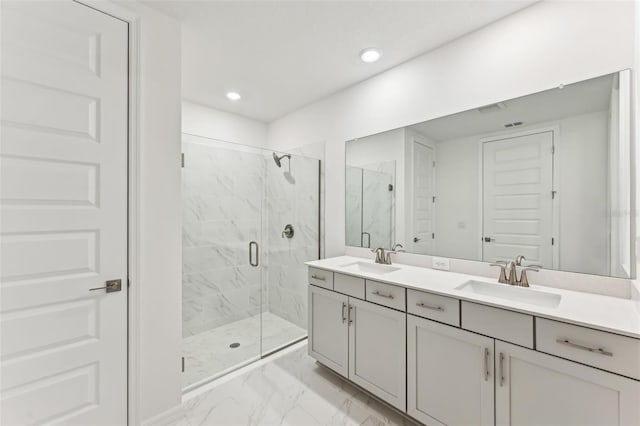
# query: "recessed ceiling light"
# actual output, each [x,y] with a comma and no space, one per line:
[370,54]
[233,96]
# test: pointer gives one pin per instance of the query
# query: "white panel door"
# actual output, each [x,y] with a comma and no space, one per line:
[536,389]
[63,164]
[517,199]
[377,351]
[449,374]
[328,328]
[422,201]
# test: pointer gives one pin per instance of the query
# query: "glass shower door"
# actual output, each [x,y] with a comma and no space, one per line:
[291,237]
[223,193]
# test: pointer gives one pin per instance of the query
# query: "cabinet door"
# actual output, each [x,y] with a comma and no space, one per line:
[449,374]
[377,351]
[533,388]
[328,332]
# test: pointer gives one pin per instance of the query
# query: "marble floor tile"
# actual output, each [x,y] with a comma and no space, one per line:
[209,353]
[287,389]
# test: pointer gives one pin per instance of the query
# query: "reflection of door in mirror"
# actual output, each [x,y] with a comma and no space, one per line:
[518,201]
[423,198]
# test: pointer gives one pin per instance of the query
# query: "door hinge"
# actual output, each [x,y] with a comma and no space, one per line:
[553,195]
[553,150]
[182,159]
[182,364]
[390,187]
[433,236]
[553,241]
[433,199]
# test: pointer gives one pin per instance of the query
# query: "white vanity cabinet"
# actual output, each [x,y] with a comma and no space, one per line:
[450,377]
[447,361]
[533,388]
[377,351]
[363,341]
[328,328]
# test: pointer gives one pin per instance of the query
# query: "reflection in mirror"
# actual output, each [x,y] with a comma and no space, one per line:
[546,176]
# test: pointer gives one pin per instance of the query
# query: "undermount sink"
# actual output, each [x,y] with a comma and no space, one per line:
[513,293]
[369,268]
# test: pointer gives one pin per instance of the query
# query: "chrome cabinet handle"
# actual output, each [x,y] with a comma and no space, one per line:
[501,369]
[315,277]
[388,296]
[433,308]
[584,348]
[257,260]
[349,316]
[486,364]
[344,317]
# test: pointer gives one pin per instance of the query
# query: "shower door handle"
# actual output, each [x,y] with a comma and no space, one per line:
[257,260]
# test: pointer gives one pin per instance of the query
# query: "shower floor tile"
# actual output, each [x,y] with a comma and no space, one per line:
[209,353]
[289,388]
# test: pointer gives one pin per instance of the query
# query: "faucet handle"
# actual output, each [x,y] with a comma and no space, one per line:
[503,274]
[524,281]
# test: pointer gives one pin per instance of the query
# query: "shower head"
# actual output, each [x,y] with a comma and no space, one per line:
[277,159]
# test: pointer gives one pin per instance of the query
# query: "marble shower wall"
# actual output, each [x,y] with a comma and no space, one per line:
[222,195]
[292,198]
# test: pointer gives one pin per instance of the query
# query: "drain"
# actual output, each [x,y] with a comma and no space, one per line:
[234,345]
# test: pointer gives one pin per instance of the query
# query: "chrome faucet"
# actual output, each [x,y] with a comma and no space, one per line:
[512,267]
[380,255]
[397,248]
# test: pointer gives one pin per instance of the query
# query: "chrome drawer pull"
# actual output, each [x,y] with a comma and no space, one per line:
[434,308]
[486,364]
[315,277]
[584,348]
[388,296]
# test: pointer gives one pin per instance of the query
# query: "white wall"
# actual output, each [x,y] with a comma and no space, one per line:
[530,51]
[155,290]
[215,124]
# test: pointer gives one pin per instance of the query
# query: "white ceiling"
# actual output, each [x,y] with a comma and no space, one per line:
[282,55]
[574,99]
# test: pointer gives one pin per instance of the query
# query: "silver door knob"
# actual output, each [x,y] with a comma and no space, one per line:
[288,231]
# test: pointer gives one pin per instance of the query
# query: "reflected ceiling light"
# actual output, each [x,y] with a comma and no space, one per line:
[233,96]
[370,54]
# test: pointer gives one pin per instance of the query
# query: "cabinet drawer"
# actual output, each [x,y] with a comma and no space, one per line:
[347,284]
[608,351]
[389,295]
[439,308]
[321,278]
[501,324]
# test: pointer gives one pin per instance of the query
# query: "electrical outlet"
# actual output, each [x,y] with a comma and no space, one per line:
[441,263]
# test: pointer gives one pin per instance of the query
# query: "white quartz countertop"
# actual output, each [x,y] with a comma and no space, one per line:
[612,314]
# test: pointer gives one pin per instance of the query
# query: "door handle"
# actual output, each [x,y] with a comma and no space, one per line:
[349,316]
[251,260]
[488,239]
[344,316]
[416,239]
[111,286]
[501,369]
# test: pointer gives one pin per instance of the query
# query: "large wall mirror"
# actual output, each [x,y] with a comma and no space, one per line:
[547,176]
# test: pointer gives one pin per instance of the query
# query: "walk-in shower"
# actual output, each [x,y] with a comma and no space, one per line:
[243,281]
